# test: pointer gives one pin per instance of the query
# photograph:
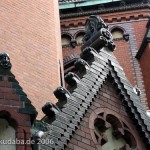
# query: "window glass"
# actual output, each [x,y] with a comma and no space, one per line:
[117,33]
[65,40]
[79,38]
[7,134]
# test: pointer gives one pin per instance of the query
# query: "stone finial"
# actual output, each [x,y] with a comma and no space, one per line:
[97,34]
[50,110]
[71,78]
[92,26]
[87,53]
[61,94]
[81,65]
[5,60]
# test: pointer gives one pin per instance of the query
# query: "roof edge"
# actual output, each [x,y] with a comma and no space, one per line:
[145,41]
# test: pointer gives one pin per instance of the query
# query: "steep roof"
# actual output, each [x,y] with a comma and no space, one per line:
[96,63]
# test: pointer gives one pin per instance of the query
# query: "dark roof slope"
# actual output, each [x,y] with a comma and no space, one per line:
[145,41]
[93,67]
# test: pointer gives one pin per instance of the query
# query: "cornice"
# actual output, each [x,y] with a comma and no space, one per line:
[108,18]
[103,11]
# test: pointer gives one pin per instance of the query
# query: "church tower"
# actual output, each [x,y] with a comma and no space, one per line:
[30,34]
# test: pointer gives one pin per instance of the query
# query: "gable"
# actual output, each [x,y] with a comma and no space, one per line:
[109,103]
[97,62]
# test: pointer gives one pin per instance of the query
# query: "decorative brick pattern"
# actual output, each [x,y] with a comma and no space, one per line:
[82,139]
[94,74]
[16,107]
[126,50]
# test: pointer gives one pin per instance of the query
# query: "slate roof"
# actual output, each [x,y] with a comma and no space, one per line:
[96,63]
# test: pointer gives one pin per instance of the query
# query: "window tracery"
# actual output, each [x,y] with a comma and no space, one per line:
[110,131]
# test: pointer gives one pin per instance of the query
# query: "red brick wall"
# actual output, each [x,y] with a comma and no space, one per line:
[139,28]
[30,34]
[108,17]
[10,103]
[145,65]
[125,51]
[123,55]
[67,51]
[107,98]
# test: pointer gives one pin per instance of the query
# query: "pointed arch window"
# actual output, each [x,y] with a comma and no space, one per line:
[110,131]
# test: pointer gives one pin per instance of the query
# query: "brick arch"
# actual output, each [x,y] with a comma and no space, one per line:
[126,127]
[10,118]
[79,32]
[16,120]
[67,34]
[119,28]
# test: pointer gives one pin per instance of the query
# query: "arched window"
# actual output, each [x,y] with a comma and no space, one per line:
[79,37]
[111,131]
[117,33]
[66,39]
[8,128]
[7,135]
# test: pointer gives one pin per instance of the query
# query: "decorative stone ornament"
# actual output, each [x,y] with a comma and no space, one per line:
[4,60]
[50,110]
[97,34]
[87,53]
[81,65]
[73,43]
[71,78]
[61,94]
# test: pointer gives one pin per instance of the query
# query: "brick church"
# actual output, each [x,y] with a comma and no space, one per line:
[74,75]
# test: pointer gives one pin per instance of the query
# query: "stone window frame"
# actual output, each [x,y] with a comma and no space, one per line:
[125,126]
